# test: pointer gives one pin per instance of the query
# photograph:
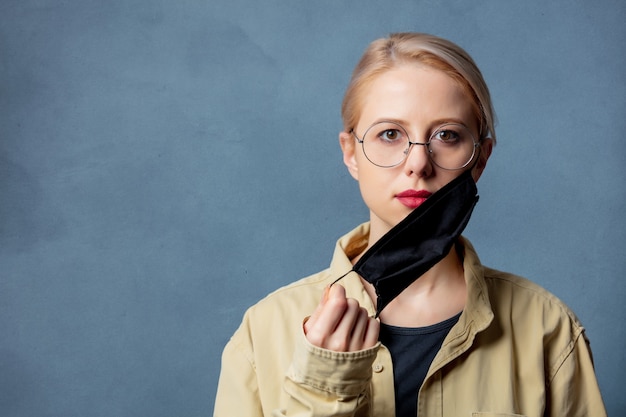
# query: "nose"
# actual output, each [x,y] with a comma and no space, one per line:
[417,160]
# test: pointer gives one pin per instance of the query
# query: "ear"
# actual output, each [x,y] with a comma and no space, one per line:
[486,146]
[348,147]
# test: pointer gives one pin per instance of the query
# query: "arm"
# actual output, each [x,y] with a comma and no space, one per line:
[315,381]
[573,387]
[322,383]
[332,366]
[318,383]
[237,391]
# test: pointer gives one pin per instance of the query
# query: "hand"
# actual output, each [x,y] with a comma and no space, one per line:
[341,324]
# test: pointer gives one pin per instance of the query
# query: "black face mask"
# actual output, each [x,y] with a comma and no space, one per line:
[419,241]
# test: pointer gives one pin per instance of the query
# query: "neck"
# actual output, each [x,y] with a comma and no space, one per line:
[436,296]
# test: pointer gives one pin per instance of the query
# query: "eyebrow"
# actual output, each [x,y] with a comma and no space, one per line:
[432,124]
[448,120]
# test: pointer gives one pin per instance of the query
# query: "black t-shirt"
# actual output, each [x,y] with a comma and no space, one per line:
[412,351]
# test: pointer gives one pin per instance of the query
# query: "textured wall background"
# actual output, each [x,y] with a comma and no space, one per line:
[163,165]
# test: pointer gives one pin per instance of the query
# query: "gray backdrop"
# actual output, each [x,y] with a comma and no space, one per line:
[163,165]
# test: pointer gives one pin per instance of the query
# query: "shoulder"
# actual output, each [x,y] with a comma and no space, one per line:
[528,310]
[543,325]
[508,293]
[267,335]
[302,296]
[514,298]
[506,288]
[280,314]
[299,296]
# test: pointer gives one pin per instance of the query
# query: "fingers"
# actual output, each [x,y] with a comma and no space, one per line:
[359,330]
[340,323]
[365,332]
[342,337]
[371,334]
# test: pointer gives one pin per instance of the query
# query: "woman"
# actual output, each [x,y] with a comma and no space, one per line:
[394,327]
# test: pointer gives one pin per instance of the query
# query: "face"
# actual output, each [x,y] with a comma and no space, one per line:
[420,99]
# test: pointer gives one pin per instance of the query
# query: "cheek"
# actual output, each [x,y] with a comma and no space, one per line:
[374,183]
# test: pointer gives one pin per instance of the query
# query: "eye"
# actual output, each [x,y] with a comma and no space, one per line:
[390,135]
[447,136]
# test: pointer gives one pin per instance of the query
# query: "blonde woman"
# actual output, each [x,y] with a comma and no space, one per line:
[406,321]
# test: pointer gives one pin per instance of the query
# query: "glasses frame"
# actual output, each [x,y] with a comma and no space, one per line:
[429,151]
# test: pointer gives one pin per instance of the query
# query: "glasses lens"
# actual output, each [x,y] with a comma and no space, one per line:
[452,146]
[385,144]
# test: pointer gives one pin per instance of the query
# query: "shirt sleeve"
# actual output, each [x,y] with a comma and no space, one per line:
[317,383]
[237,390]
[573,388]
[321,382]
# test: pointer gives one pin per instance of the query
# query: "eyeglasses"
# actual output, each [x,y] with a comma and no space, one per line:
[387,144]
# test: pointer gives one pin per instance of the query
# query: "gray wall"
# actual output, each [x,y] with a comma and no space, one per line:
[163,165]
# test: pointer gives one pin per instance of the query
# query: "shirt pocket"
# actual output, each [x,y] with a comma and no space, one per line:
[490,414]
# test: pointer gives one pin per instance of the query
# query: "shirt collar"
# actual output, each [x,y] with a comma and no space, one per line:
[477,314]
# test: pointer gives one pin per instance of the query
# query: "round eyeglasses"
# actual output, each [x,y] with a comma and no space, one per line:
[387,144]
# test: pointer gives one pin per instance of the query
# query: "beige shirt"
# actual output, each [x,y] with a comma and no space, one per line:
[515,351]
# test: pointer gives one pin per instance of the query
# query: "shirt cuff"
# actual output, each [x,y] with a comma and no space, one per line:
[341,373]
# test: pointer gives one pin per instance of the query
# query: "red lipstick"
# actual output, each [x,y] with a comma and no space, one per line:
[413,198]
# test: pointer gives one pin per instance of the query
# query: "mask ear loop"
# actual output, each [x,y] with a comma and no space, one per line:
[340,278]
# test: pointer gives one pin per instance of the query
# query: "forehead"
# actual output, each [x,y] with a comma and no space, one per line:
[416,95]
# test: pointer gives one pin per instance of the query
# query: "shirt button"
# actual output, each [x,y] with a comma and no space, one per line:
[378,368]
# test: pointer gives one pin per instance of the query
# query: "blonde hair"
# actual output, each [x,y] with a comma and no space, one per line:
[432,51]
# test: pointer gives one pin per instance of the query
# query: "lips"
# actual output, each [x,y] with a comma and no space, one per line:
[413,198]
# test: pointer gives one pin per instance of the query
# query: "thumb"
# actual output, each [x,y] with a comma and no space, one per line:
[336,291]
[310,321]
